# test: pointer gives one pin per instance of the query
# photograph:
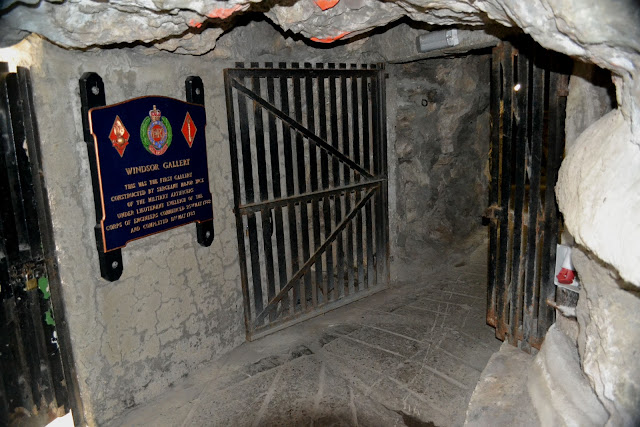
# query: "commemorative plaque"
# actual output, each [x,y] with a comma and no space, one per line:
[149,159]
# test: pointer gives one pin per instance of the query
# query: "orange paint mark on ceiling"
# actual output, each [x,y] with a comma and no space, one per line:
[223,13]
[326,4]
[330,39]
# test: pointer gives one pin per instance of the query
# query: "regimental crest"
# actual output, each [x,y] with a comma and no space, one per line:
[156,133]
[189,129]
[119,136]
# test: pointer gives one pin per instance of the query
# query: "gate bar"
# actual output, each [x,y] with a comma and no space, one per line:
[315,255]
[327,285]
[283,115]
[233,149]
[529,315]
[521,141]
[494,185]
[505,190]
[275,186]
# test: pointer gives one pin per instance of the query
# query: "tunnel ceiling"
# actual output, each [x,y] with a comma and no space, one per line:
[585,28]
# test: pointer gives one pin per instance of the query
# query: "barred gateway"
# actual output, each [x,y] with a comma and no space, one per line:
[317,229]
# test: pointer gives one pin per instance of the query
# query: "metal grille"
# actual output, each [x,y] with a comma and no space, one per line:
[528,99]
[32,382]
[308,154]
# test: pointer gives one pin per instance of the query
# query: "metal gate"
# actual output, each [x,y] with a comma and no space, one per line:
[33,387]
[528,99]
[308,155]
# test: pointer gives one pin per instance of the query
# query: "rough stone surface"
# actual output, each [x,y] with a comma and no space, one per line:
[500,398]
[591,96]
[442,148]
[598,194]
[609,339]
[410,355]
[559,390]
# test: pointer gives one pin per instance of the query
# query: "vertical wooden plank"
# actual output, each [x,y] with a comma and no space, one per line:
[302,188]
[233,149]
[265,215]
[494,184]
[339,288]
[247,168]
[505,191]
[357,146]
[557,106]
[347,235]
[328,283]
[289,181]
[276,190]
[531,274]
[313,173]
[516,281]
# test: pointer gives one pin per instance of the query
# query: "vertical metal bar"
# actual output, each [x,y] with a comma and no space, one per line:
[355,111]
[10,241]
[276,190]
[290,186]
[313,173]
[252,228]
[521,69]
[537,126]
[233,149]
[328,283]
[494,184]
[265,214]
[557,106]
[382,148]
[505,190]
[366,141]
[346,149]
[336,182]
[377,171]
[302,188]
[15,372]
[18,162]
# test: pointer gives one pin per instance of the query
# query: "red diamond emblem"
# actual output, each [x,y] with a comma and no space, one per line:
[189,129]
[119,136]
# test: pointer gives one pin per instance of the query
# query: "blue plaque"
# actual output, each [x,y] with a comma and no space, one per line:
[151,162]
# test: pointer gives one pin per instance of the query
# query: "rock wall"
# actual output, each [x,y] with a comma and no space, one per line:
[442,148]
[609,338]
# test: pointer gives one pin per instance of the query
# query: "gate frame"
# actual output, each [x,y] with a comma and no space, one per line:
[40,226]
[521,292]
[378,183]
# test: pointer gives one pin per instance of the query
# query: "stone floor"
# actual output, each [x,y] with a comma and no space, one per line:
[409,355]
